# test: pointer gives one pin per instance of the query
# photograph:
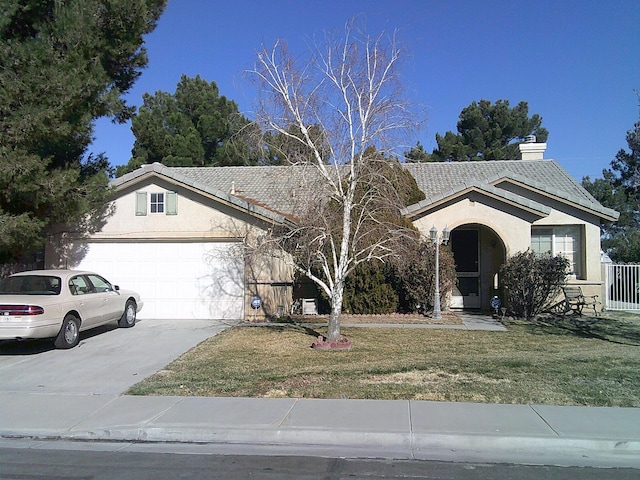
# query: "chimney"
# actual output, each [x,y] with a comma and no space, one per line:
[531,150]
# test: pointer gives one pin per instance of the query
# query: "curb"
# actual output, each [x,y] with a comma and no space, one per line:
[443,447]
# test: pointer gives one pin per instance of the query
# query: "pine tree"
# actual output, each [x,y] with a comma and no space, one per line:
[64,64]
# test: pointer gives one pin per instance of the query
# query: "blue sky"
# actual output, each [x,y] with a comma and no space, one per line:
[576,63]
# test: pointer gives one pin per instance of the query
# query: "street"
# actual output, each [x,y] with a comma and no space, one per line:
[87,464]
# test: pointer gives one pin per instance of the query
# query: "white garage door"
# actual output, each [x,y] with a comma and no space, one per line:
[175,280]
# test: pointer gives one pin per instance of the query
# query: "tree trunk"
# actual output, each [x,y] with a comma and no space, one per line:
[333,329]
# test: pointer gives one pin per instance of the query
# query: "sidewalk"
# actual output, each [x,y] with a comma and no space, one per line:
[530,434]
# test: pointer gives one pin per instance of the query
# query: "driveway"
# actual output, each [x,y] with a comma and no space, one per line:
[108,360]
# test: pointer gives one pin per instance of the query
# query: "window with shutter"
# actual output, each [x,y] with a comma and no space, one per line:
[156,205]
[165,202]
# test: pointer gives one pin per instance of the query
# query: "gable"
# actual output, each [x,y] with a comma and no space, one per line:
[487,194]
[534,186]
[192,208]
[561,199]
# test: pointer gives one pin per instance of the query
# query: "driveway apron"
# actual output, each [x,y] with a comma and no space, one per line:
[108,360]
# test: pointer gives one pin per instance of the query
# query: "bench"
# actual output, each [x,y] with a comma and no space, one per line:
[575,301]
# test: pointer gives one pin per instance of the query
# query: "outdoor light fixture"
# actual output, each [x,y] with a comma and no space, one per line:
[436,240]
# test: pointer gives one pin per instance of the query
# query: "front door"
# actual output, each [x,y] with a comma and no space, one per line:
[466,253]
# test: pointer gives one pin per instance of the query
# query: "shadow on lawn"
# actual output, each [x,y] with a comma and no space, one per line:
[290,326]
[613,330]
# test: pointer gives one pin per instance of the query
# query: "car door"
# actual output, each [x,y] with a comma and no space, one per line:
[112,305]
[89,304]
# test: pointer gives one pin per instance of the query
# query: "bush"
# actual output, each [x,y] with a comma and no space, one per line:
[532,281]
[370,290]
[418,276]
[380,288]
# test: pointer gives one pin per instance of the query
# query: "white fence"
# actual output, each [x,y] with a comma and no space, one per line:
[622,287]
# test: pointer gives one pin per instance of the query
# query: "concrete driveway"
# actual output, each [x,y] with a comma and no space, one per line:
[108,360]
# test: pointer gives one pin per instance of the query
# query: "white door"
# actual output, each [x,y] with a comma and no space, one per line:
[176,280]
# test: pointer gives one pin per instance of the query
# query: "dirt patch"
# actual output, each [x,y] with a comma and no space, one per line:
[426,379]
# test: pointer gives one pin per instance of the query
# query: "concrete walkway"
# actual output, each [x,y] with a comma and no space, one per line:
[530,434]
[470,321]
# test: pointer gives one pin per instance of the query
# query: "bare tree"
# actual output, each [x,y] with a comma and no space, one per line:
[340,112]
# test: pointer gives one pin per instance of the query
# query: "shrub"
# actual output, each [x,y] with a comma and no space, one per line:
[417,276]
[369,290]
[532,281]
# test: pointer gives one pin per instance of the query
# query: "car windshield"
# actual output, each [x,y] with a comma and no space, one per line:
[30,285]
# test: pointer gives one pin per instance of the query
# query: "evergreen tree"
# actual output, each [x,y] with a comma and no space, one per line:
[194,127]
[374,287]
[418,154]
[619,189]
[63,64]
[489,132]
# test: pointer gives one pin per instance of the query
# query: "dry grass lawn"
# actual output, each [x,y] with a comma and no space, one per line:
[569,361]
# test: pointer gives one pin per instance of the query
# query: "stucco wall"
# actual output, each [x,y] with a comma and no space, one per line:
[197,216]
[512,226]
[514,231]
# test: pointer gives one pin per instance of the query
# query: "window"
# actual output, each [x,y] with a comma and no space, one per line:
[565,241]
[100,284]
[156,202]
[80,286]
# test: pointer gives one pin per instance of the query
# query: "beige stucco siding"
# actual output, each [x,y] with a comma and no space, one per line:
[514,231]
[201,219]
[197,217]
[590,240]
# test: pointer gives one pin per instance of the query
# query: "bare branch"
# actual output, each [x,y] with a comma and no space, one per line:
[339,109]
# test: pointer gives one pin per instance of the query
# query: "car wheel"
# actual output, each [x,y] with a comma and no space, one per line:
[128,318]
[69,334]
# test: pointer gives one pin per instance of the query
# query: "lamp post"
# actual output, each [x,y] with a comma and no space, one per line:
[437,240]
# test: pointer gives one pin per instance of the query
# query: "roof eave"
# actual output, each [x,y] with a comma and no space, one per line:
[589,207]
[511,199]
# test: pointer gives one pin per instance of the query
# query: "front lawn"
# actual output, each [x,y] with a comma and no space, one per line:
[567,361]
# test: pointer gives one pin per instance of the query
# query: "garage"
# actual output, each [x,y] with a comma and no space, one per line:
[176,280]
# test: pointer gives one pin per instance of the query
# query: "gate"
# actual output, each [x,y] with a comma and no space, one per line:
[622,287]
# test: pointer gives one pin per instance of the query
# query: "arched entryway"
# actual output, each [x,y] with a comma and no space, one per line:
[478,252]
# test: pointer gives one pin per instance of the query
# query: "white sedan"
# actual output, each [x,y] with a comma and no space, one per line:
[60,304]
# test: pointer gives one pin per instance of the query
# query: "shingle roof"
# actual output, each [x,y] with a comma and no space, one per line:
[439,180]
[275,190]
[435,177]
[274,187]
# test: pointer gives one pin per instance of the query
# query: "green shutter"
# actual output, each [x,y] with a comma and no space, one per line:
[172,203]
[141,203]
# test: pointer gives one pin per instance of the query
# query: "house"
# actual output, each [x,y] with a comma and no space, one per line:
[176,233]
[495,209]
